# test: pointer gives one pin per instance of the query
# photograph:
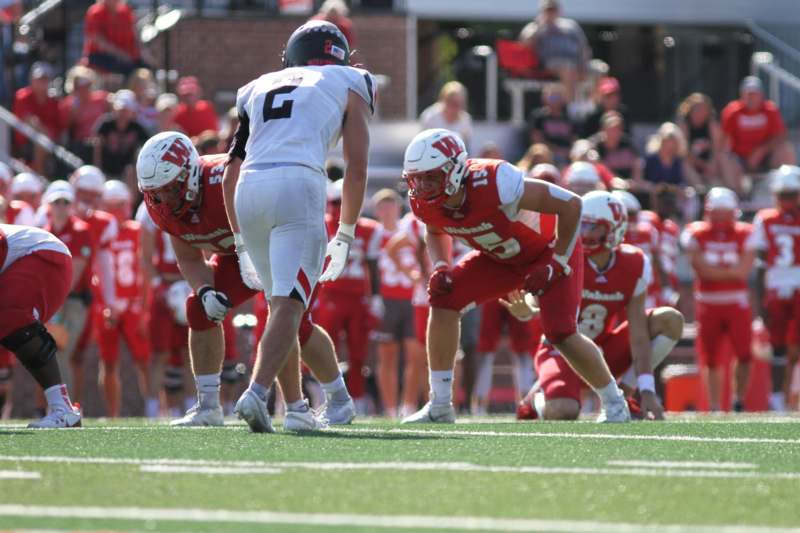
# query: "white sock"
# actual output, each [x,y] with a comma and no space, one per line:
[208,386]
[58,397]
[610,393]
[336,390]
[300,406]
[660,347]
[441,382]
[483,383]
[151,407]
[525,375]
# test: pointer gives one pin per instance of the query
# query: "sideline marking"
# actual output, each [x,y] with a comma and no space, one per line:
[212,470]
[19,474]
[685,464]
[375,521]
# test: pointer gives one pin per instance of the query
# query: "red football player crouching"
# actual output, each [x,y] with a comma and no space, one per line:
[35,277]
[612,313]
[489,205]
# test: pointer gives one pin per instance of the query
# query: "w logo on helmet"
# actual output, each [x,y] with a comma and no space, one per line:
[616,210]
[177,154]
[448,146]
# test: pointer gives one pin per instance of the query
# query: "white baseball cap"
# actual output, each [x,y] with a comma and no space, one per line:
[25,182]
[59,190]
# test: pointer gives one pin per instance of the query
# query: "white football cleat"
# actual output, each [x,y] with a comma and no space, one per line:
[253,410]
[432,414]
[57,419]
[339,413]
[616,412]
[308,420]
[196,417]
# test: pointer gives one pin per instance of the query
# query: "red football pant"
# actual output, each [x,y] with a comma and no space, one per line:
[714,323]
[477,279]
[493,317]
[33,288]
[558,380]
[129,326]
[341,312]
[783,314]
[227,280]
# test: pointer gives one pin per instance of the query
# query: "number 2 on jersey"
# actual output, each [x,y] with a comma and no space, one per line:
[282,111]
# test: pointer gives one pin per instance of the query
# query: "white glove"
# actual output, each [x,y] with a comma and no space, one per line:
[338,250]
[215,303]
[376,307]
[247,269]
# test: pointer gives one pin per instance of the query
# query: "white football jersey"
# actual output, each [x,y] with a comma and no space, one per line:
[18,241]
[295,115]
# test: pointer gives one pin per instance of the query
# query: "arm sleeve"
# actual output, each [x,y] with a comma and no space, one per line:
[510,184]
[240,137]
[758,237]
[645,279]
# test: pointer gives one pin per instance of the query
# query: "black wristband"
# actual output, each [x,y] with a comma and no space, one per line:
[204,289]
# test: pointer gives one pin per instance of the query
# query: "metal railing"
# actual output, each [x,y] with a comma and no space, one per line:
[58,151]
[779,62]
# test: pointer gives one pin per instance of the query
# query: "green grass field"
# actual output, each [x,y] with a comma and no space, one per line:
[489,475]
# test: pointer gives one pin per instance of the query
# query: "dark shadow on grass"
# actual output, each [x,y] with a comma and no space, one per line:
[333,434]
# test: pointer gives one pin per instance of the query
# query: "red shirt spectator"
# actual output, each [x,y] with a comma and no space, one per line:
[749,128]
[194,115]
[83,106]
[35,106]
[336,12]
[110,28]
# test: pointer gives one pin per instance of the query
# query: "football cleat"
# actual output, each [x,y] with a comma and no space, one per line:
[432,414]
[196,417]
[634,408]
[525,411]
[616,412]
[253,410]
[339,413]
[57,419]
[308,420]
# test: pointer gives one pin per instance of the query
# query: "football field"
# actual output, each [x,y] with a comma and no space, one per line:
[688,474]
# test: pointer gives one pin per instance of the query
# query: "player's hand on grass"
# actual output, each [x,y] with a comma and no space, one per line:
[520,305]
[337,252]
[651,406]
[215,303]
[441,281]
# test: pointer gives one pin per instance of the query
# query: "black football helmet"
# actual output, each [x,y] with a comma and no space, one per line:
[316,42]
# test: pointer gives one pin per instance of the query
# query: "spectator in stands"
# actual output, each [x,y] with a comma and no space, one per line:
[81,109]
[143,85]
[559,43]
[110,43]
[616,149]
[336,12]
[609,98]
[450,112]
[698,122]
[550,125]
[119,137]
[755,136]
[35,106]
[166,107]
[666,163]
[536,154]
[194,115]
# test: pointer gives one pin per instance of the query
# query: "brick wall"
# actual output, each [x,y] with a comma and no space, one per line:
[227,53]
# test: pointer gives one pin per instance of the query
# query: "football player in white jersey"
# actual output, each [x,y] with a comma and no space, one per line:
[275,183]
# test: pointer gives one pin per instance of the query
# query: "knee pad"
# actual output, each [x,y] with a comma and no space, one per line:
[196,315]
[173,379]
[230,372]
[33,345]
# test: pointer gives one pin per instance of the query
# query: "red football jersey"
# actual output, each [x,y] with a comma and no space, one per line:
[606,294]
[17,241]
[366,246]
[723,247]
[207,227]
[78,238]
[103,228]
[20,213]
[126,250]
[394,284]
[489,220]
[777,234]
[644,235]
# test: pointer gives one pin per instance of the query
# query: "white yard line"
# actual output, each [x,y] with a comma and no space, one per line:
[369,521]
[685,464]
[220,467]
[212,470]
[19,474]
